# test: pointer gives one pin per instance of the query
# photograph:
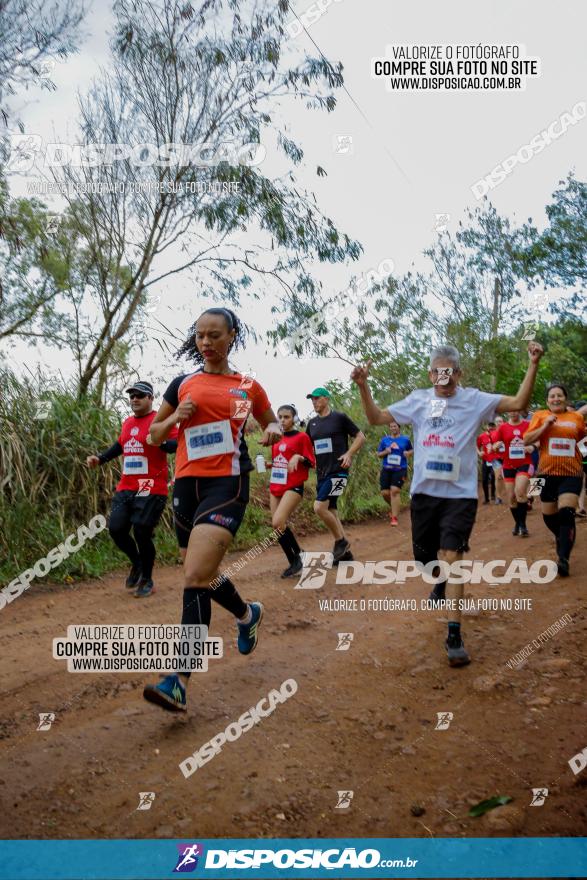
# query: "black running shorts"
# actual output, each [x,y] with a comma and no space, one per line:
[388,478]
[129,509]
[556,486]
[509,474]
[440,524]
[217,501]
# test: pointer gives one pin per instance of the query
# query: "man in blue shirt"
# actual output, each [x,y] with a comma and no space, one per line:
[394,450]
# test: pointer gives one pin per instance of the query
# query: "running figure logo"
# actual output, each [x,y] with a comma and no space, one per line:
[313,574]
[46,719]
[442,221]
[187,861]
[145,486]
[443,375]
[444,719]
[344,800]
[240,409]
[539,795]
[146,799]
[42,410]
[536,486]
[344,641]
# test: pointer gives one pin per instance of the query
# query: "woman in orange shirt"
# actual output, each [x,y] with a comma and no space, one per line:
[559,433]
[211,491]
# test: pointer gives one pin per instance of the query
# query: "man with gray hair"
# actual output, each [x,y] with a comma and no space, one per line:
[445,420]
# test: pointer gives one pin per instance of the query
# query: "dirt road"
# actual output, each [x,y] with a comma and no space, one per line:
[363,720]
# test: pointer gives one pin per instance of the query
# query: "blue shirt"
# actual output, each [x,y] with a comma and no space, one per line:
[395,460]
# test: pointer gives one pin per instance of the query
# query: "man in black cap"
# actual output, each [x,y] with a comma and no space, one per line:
[329,431]
[141,493]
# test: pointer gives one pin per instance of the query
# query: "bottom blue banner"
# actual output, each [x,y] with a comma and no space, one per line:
[282,858]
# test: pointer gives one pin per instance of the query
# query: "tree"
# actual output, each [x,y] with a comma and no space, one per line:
[32,34]
[212,76]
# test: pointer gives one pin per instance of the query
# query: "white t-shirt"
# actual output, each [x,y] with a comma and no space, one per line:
[445,433]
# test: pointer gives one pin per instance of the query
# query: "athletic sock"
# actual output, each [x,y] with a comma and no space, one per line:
[227,595]
[288,543]
[197,608]
[552,522]
[454,633]
[439,590]
[566,532]
[522,511]
[247,616]
[515,514]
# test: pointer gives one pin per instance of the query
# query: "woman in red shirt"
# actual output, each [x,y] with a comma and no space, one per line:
[291,458]
[517,461]
[212,469]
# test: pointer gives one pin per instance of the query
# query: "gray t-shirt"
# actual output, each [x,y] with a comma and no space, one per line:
[445,432]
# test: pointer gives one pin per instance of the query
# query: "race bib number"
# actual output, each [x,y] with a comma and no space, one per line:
[516,451]
[442,466]
[562,446]
[135,464]
[338,486]
[322,446]
[394,460]
[213,438]
[278,476]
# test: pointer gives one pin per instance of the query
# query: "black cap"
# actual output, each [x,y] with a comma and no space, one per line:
[141,387]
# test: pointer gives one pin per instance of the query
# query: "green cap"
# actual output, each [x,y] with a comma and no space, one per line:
[318,392]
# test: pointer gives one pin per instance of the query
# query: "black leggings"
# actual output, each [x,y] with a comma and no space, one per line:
[487,479]
[142,515]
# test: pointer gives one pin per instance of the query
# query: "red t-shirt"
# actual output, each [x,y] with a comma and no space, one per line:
[144,467]
[292,443]
[484,442]
[512,438]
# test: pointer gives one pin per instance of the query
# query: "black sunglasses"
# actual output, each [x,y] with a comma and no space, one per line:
[136,394]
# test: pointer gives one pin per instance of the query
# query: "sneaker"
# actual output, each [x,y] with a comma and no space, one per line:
[498,501]
[563,567]
[247,632]
[523,532]
[134,576]
[339,550]
[144,588]
[457,656]
[346,557]
[393,521]
[581,513]
[486,501]
[516,530]
[294,569]
[169,694]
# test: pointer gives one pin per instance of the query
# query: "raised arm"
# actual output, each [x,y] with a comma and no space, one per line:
[375,415]
[521,400]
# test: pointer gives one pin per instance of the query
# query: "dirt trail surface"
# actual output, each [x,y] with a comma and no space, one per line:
[363,720]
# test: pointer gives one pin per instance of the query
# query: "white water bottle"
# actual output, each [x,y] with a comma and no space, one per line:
[260,463]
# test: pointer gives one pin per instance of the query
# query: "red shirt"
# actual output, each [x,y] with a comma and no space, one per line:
[292,443]
[144,467]
[484,441]
[512,438]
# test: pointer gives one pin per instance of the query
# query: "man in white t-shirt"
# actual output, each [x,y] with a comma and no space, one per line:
[445,420]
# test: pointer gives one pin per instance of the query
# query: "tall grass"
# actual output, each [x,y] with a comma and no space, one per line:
[47,492]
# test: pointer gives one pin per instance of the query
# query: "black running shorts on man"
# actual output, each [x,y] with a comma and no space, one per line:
[440,524]
[129,509]
[220,501]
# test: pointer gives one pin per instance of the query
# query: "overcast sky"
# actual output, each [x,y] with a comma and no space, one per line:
[414,154]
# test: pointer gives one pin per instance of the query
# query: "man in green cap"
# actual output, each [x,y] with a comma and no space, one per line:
[329,431]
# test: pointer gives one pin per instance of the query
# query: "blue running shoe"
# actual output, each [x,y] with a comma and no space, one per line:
[145,588]
[169,694]
[247,632]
